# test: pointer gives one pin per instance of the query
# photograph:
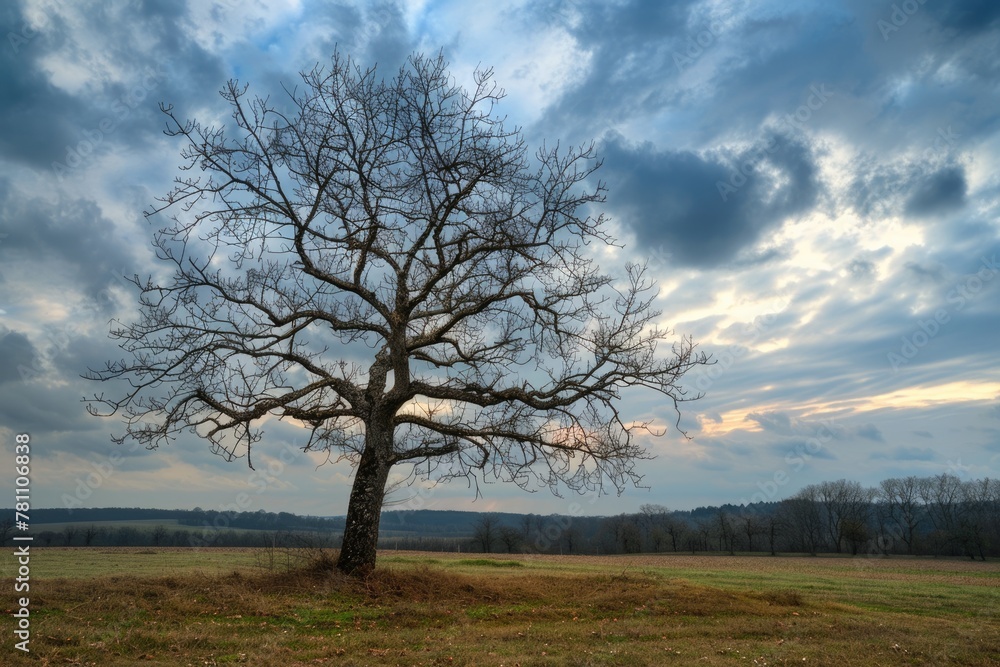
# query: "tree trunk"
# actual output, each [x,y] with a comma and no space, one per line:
[364,511]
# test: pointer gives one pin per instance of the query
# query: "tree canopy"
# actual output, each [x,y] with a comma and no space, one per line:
[385,264]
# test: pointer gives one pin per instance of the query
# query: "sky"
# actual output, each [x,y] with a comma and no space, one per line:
[815,185]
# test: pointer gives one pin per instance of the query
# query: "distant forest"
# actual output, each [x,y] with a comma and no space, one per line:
[940,516]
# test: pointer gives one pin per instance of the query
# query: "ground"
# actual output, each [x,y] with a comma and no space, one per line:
[217,607]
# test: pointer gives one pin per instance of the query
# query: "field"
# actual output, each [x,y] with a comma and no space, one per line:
[219,607]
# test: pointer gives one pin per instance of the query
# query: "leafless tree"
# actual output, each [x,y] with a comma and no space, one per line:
[383,263]
[530,525]
[942,496]
[725,527]
[6,526]
[89,533]
[510,538]
[901,498]
[653,519]
[486,532]
[846,507]
[675,529]
[701,535]
[773,525]
[751,525]
[69,533]
[570,539]
[803,516]
[158,535]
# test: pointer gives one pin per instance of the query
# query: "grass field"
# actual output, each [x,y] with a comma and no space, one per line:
[216,607]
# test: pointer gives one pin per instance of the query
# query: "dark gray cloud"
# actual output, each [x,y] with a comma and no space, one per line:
[937,193]
[774,422]
[705,209]
[968,16]
[39,119]
[155,61]
[18,357]
[918,190]
[36,407]
[870,432]
[631,66]
[71,237]
[934,273]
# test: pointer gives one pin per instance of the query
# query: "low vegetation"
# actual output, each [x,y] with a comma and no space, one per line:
[218,607]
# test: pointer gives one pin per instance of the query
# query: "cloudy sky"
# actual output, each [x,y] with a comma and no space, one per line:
[815,184]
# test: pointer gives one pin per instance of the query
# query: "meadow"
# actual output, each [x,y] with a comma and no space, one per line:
[119,606]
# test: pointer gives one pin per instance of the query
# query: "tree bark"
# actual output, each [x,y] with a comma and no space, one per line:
[364,511]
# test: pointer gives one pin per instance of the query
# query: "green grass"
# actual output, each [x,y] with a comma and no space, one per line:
[488,562]
[212,607]
[89,562]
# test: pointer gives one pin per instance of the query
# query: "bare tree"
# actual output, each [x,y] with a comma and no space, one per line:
[653,520]
[974,521]
[6,526]
[846,506]
[702,534]
[773,525]
[803,516]
[675,529]
[89,533]
[631,536]
[570,539]
[486,532]
[510,538]
[69,532]
[158,535]
[382,263]
[751,525]
[530,524]
[901,498]
[725,525]
[942,497]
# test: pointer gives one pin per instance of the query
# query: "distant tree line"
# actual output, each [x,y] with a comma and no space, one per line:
[91,535]
[258,520]
[942,516]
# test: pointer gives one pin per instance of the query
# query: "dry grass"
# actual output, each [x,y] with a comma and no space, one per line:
[422,609]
